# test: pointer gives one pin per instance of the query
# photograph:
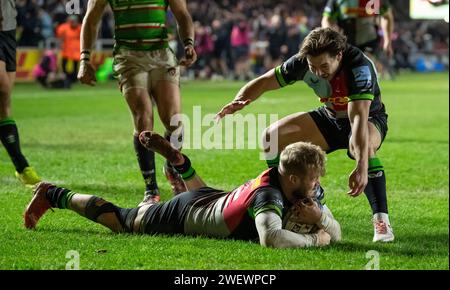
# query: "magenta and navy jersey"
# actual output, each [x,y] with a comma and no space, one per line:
[355,80]
[215,213]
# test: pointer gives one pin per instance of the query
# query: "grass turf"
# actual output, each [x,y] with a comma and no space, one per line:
[82,139]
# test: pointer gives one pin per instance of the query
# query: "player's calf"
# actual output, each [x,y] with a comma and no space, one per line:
[155,142]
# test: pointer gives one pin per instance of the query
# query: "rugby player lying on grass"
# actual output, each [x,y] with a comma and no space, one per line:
[253,210]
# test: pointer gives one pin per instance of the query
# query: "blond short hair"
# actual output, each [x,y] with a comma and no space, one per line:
[302,157]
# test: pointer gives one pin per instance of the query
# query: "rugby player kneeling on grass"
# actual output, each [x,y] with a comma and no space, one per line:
[254,210]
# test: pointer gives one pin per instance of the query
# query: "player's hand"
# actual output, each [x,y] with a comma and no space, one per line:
[231,108]
[190,56]
[323,238]
[306,211]
[86,74]
[388,50]
[357,181]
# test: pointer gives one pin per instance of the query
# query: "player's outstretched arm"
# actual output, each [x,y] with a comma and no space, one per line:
[250,92]
[271,234]
[89,30]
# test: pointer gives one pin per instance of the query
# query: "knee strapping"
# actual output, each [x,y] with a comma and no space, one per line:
[97,206]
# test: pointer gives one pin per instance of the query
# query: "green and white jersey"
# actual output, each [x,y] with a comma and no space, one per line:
[140,24]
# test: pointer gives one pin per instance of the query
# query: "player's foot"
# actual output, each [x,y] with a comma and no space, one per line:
[382,230]
[28,176]
[150,197]
[38,205]
[174,178]
[155,142]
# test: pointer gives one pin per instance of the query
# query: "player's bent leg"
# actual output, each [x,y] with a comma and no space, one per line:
[181,163]
[293,128]
[155,142]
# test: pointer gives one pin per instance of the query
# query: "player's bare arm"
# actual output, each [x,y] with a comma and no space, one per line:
[387,25]
[250,92]
[185,29]
[359,145]
[271,234]
[89,30]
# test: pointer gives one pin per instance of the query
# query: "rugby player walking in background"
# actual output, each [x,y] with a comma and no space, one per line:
[360,20]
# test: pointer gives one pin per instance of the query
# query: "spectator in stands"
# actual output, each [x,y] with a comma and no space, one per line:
[31,28]
[47,73]
[240,45]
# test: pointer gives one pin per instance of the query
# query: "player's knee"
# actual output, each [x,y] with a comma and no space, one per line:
[372,151]
[5,90]
[105,213]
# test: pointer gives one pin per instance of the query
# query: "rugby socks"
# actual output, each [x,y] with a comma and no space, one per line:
[185,170]
[9,136]
[59,197]
[376,187]
[273,162]
[146,160]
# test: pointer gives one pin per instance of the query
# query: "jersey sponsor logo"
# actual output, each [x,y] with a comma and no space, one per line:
[336,100]
[363,77]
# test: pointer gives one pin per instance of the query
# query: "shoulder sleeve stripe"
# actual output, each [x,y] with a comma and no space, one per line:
[279,77]
[360,97]
[273,207]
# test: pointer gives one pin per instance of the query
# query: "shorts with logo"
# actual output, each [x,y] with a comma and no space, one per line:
[143,69]
[337,131]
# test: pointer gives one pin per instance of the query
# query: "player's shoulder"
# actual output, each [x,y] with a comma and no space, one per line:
[356,62]
[353,56]
[293,69]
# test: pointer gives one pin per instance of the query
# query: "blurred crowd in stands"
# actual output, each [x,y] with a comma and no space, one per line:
[240,39]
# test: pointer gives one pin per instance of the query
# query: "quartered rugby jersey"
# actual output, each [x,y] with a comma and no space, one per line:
[140,24]
[357,18]
[232,214]
[356,79]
